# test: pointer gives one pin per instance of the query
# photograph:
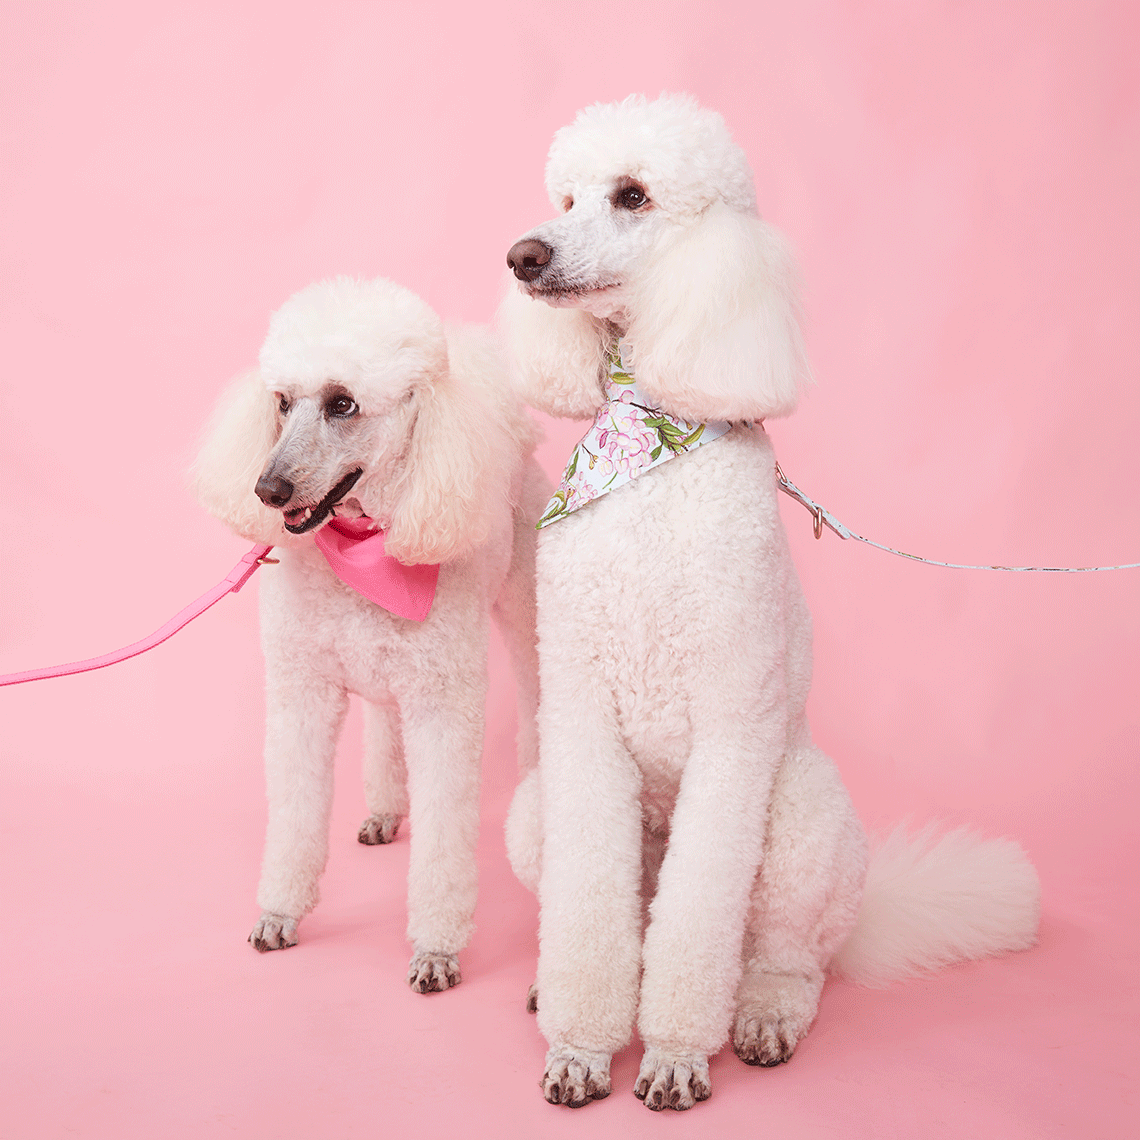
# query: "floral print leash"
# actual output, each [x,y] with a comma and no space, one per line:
[629,436]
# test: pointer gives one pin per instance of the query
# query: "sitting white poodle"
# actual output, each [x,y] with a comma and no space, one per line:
[697,859]
[376,447]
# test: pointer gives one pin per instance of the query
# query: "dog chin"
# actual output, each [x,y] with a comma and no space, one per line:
[570,297]
[604,301]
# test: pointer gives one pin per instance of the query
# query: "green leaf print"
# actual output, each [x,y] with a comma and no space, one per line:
[555,509]
[617,374]
[673,437]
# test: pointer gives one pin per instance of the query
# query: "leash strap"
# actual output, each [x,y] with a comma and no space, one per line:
[821,517]
[232,582]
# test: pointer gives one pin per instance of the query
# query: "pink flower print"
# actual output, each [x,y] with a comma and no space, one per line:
[601,465]
[627,441]
[578,490]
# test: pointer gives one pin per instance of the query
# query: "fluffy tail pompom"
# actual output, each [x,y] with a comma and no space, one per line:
[933,900]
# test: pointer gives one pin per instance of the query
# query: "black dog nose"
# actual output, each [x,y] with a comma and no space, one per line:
[274,491]
[528,258]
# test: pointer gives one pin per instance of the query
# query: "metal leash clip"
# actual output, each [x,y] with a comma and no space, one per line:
[820,516]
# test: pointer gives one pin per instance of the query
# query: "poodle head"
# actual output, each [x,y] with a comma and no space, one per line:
[355,410]
[346,365]
[658,242]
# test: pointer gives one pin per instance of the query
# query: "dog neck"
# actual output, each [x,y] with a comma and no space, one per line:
[629,436]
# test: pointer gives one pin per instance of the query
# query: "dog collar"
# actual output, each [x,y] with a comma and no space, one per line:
[354,549]
[628,437]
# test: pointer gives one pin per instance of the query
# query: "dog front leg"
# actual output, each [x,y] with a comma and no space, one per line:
[590,924]
[304,716]
[443,738]
[693,943]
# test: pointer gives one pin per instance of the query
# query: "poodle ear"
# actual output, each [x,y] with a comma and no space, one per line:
[469,435]
[557,355]
[238,440]
[715,331]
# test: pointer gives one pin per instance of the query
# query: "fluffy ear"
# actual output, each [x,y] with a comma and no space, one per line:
[238,440]
[556,355]
[715,327]
[469,437]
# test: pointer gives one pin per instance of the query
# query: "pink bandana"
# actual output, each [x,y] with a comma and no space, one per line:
[355,551]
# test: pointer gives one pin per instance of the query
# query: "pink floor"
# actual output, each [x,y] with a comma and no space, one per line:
[133,1007]
[960,182]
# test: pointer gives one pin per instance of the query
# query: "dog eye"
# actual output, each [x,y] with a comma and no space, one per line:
[282,405]
[567,204]
[342,407]
[632,198]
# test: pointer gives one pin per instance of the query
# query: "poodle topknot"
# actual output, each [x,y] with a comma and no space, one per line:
[363,332]
[672,144]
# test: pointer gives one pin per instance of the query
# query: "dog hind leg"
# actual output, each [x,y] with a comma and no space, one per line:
[804,902]
[385,776]
[443,739]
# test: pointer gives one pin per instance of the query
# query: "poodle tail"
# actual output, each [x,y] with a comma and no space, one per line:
[933,900]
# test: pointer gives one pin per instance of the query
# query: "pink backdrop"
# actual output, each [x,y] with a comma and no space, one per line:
[961,182]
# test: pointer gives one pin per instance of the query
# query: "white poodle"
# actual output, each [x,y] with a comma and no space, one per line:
[698,862]
[362,390]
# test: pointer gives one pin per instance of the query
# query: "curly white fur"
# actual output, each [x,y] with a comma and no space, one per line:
[447,468]
[697,859]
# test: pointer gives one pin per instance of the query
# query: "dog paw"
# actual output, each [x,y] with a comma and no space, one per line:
[378,829]
[274,932]
[575,1077]
[433,973]
[764,1037]
[669,1080]
[532,998]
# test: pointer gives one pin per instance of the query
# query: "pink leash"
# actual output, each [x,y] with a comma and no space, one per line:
[232,582]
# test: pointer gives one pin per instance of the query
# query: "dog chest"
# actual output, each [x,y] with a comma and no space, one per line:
[313,620]
[670,594]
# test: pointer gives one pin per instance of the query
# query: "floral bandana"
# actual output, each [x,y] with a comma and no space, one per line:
[629,437]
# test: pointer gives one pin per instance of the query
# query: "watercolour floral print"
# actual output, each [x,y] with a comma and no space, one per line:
[629,436]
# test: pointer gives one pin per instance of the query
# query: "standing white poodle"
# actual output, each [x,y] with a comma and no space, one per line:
[697,859]
[375,440]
